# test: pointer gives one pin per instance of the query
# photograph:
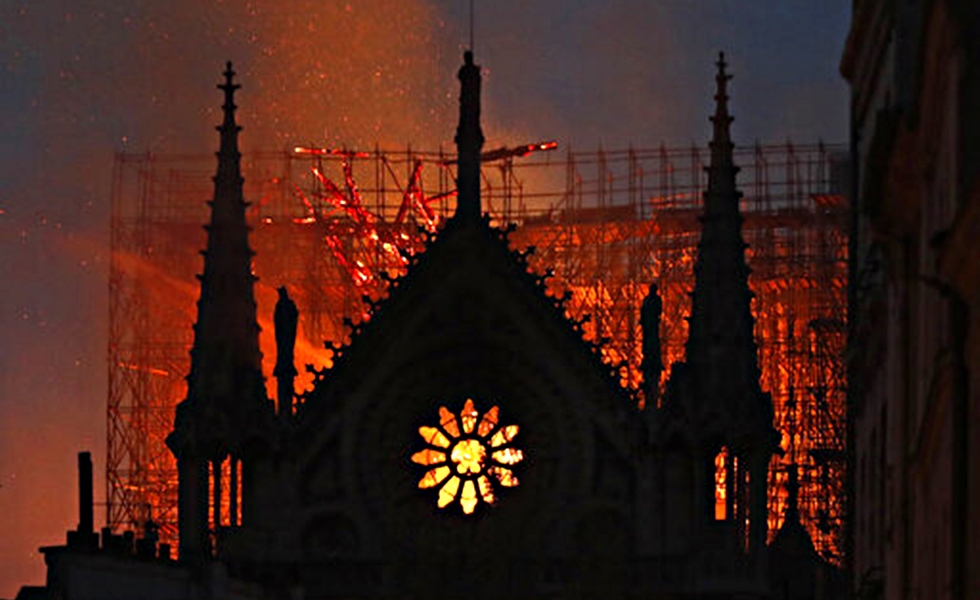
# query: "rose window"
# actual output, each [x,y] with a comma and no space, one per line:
[468,456]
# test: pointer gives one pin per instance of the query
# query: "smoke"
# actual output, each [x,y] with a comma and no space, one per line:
[623,72]
[82,79]
[90,77]
[142,73]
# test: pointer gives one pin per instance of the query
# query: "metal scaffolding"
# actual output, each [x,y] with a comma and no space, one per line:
[333,225]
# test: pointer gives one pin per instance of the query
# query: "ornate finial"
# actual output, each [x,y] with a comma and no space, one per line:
[721,194]
[721,118]
[229,87]
[722,76]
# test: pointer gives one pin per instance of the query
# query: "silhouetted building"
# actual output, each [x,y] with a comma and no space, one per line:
[914,372]
[467,441]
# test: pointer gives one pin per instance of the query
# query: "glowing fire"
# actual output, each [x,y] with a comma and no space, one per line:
[467,448]
[721,482]
[798,341]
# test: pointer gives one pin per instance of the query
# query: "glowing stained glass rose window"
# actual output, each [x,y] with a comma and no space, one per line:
[467,456]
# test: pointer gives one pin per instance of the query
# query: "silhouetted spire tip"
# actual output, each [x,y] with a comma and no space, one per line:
[721,118]
[229,73]
[722,77]
[229,86]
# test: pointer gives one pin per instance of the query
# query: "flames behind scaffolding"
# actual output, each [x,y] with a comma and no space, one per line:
[334,225]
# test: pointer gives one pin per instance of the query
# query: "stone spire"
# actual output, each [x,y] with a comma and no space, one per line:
[721,347]
[469,142]
[226,398]
[225,380]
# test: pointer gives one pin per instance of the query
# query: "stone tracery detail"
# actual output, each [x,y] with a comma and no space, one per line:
[468,456]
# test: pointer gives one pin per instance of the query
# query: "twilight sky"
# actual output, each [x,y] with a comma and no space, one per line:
[81,79]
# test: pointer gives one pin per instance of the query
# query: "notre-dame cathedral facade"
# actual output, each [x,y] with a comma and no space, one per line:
[468,442]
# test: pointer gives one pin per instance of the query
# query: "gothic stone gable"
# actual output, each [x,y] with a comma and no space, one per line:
[467,322]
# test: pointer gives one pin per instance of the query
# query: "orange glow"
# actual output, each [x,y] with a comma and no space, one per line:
[434,477]
[448,421]
[488,422]
[468,415]
[433,436]
[150,370]
[505,153]
[508,456]
[448,492]
[503,436]
[604,257]
[304,151]
[504,475]
[798,274]
[721,481]
[468,498]
[468,457]
[486,490]
[429,457]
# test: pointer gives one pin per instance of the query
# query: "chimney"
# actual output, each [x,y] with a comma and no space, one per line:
[85,500]
[84,537]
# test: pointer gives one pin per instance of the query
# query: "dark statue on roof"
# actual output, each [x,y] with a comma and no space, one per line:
[285,318]
[652,365]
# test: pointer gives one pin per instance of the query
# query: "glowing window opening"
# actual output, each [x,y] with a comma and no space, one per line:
[721,485]
[468,456]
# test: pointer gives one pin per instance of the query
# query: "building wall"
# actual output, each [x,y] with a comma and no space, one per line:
[95,575]
[913,359]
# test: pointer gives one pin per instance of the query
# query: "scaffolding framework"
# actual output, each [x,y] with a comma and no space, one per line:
[334,225]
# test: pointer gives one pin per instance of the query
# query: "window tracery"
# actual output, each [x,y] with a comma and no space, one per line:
[468,456]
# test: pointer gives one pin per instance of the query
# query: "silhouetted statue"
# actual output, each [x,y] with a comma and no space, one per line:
[651,365]
[285,317]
